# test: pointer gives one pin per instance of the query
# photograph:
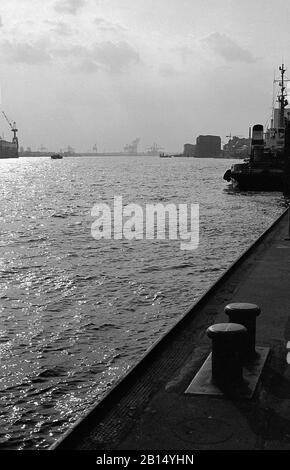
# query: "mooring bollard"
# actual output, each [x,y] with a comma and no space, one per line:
[228,340]
[245,314]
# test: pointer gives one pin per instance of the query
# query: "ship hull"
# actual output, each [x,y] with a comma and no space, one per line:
[56,157]
[8,149]
[259,180]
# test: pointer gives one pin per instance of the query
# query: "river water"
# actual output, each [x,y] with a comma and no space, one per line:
[77,312]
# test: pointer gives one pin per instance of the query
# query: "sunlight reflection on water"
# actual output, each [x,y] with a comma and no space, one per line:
[76,312]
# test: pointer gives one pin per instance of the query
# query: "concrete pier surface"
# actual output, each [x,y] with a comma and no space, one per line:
[148,409]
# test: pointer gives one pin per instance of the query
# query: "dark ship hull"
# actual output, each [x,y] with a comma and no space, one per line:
[56,156]
[8,149]
[257,179]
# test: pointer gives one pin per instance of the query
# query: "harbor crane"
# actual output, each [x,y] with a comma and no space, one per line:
[13,128]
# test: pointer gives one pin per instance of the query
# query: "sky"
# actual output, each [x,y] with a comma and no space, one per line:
[86,72]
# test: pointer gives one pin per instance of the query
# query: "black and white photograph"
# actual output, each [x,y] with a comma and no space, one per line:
[144,230]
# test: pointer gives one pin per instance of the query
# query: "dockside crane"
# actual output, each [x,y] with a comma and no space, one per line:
[13,128]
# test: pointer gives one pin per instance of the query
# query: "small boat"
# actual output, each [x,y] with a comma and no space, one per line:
[56,156]
[164,155]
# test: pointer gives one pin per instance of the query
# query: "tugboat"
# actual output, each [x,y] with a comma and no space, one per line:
[267,168]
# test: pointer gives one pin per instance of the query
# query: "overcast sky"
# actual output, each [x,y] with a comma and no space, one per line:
[81,72]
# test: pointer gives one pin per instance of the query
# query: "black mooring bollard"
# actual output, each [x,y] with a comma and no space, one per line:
[228,342]
[245,314]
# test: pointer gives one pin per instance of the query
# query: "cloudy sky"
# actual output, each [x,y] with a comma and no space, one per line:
[81,72]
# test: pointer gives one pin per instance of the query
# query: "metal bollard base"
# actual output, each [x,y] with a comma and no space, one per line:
[202,383]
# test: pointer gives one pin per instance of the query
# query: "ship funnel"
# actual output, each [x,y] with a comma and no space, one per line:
[257,150]
[258,135]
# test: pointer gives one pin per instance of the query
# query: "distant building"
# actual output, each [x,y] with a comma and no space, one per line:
[208,146]
[189,150]
[237,147]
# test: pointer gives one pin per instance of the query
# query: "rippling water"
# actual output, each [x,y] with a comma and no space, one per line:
[76,312]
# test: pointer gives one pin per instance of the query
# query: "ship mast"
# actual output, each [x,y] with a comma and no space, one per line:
[282,97]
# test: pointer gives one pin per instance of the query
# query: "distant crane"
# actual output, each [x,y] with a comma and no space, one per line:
[13,128]
[232,136]
[154,149]
[132,149]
